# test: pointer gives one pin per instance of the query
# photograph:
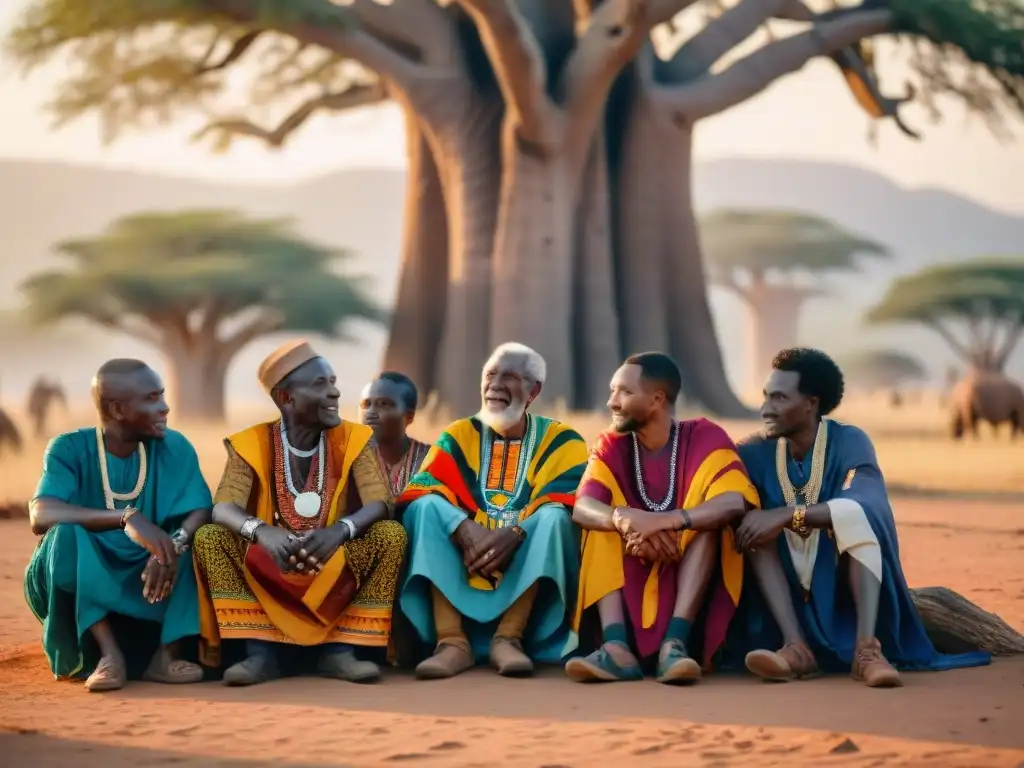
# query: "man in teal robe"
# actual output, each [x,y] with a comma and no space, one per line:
[116,507]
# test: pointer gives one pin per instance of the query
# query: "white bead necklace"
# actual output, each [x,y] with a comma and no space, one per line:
[307,504]
[109,496]
[641,484]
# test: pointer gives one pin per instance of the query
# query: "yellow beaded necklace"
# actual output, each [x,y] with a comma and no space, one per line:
[812,488]
[109,495]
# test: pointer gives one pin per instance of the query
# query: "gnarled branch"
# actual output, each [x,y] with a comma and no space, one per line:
[329,26]
[421,25]
[264,323]
[746,78]
[520,67]
[617,30]
[335,101]
[238,49]
[698,54]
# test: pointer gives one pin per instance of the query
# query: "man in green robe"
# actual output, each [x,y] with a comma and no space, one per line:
[116,508]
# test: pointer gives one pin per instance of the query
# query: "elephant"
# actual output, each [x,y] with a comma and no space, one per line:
[986,396]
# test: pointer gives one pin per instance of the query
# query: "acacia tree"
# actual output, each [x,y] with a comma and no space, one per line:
[757,254]
[554,140]
[984,297]
[199,286]
[874,369]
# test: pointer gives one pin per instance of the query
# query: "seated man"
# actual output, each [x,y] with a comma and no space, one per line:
[656,502]
[117,506]
[388,407]
[302,550]
[839,600]
[494,559]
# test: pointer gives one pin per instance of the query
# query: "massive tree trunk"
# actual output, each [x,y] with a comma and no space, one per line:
[664,295]
[774,319]
[533,261]
[418,320]
[595,332]
[198,374]
[466,150]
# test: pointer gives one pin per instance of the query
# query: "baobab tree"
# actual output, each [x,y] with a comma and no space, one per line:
[976,307]
[549,195]
[760,256]
[199,286]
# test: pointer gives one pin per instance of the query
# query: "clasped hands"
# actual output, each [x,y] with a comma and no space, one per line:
[301,553]
[648,535]
[161,570]
[486,552]
[761,527]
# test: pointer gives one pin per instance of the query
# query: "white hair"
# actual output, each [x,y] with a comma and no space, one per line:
[533,366]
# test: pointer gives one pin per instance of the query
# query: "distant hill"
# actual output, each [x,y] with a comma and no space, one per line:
[361,209]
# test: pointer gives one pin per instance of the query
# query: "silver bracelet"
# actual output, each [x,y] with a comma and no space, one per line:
[180,541]
[351,527]
[248,529]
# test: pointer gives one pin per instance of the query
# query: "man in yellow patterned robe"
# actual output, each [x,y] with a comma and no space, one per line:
[301,551]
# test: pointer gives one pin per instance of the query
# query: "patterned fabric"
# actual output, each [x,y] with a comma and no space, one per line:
[399,474]
[453,465]
[375,561]
[242,592]
[707,466]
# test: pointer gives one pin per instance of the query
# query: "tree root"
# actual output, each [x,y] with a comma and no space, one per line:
[956,625]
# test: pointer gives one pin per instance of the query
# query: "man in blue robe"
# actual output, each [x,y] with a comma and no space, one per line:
[823,546]
[116,508]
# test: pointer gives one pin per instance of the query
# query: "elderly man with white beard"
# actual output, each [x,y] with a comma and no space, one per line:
[493,553]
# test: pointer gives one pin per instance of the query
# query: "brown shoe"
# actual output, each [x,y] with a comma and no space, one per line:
[871,667]
[791,662]
[508,658]
[448,661]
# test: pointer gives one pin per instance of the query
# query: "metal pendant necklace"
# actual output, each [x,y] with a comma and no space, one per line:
[307,504]
[641,484]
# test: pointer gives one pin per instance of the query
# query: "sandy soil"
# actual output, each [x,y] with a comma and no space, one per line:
[963,718]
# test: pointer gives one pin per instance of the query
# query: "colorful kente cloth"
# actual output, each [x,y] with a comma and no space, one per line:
[863,528]
[77,577]
[244,595]
[707,466]
[470,471]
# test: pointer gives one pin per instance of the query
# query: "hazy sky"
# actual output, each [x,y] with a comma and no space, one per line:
[810,115]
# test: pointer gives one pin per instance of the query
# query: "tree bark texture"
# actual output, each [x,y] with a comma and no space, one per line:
[198,375]
[575,240]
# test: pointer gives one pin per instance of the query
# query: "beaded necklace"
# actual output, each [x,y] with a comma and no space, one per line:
[810,491]
[108,494]
[641,483]
[504,513]
[284,496]
[398,474]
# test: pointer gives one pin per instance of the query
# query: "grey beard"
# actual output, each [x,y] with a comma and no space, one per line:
[502,421]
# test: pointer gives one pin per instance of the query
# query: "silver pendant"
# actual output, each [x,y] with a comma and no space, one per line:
[307,505]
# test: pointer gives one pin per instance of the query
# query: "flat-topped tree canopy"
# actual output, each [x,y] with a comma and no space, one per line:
[199,286]
[985,295]
[780,240]
[549,196]
[874,368]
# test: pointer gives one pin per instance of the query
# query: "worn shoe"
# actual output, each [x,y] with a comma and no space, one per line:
[675,666]
[793,661]
[109,675]
[602,667]
[345,666]
[448,661]
[871,667]
[252,671]
[508,658]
